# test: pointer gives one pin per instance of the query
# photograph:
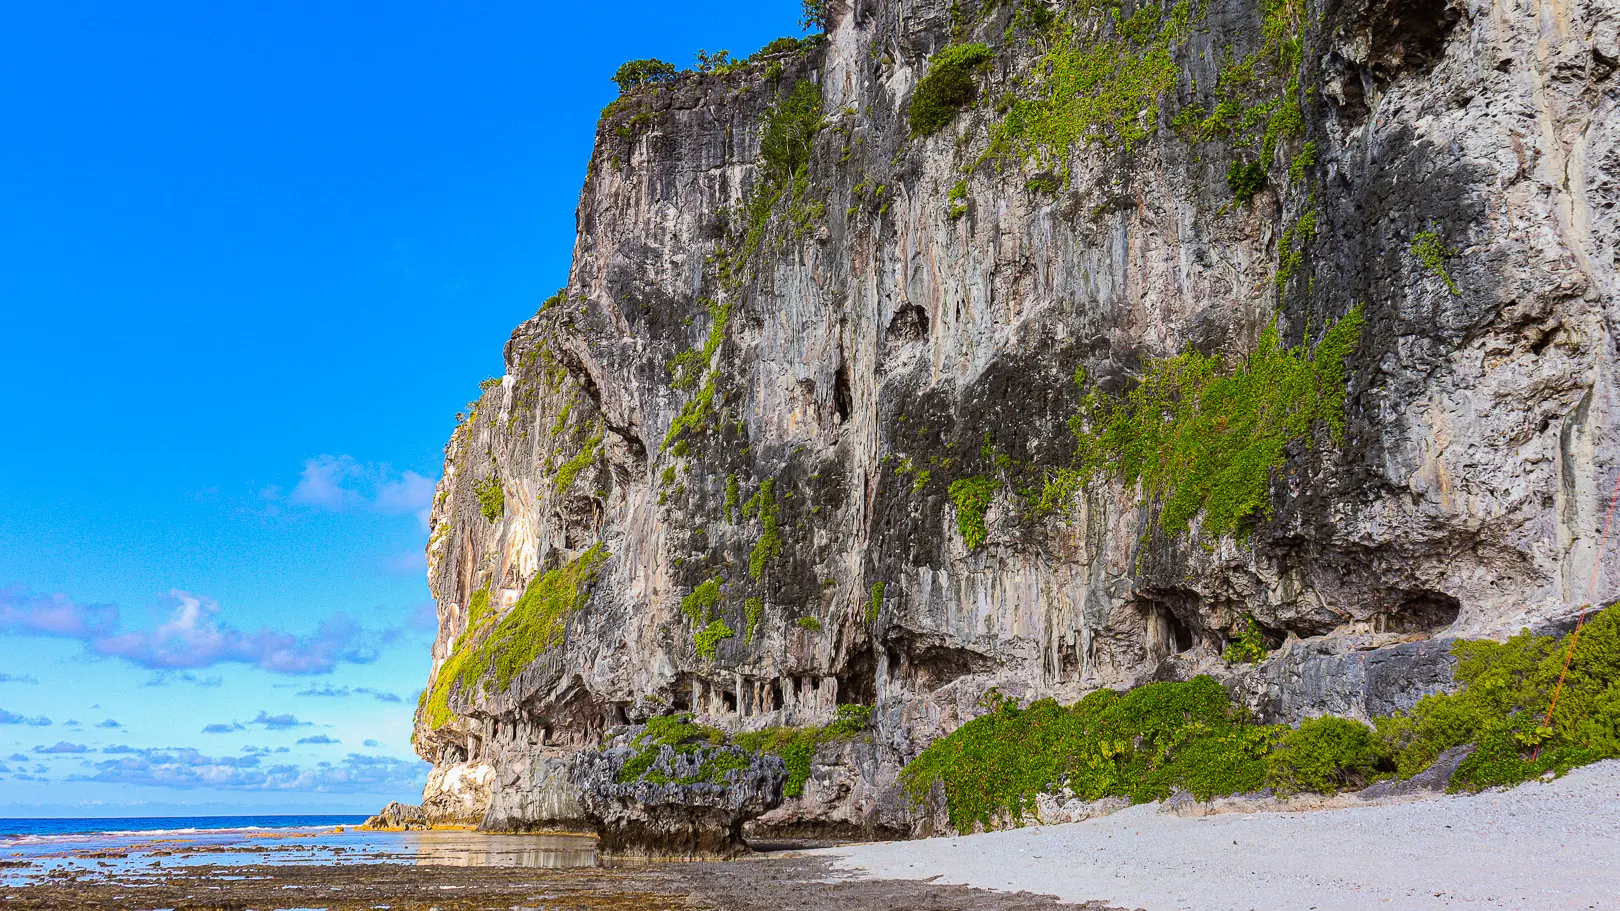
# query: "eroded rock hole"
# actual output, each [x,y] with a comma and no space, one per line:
[1166,633]
[933,667]
[857,685]
[1422,612]
[910,324]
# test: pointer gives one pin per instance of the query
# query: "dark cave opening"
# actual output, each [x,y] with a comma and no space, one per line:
[857,685]
[1181,635]
[1421,612]
[843,398]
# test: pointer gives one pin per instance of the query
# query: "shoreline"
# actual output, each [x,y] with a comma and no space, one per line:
[1542,845]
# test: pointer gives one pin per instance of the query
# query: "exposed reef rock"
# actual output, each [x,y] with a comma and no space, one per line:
[836,406]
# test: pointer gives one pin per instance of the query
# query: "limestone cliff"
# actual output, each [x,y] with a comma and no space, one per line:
[802,429]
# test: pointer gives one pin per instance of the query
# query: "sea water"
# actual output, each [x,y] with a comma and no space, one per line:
[34,848]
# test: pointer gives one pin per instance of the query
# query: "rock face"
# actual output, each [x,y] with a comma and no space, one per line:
[781,443]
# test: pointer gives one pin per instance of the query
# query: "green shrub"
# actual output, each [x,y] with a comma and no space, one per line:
[790,132]
[1326,755]
[733,491]
[875,605]
[571,468]
[699,605]
[1304,160]
[1291,247]
[491,497]
[1139,745]
[1250,645]
[810,623]
[958,200]
[1432,252]
[708,639]
[639,73]
[947,88]
[681,735]
[769,544]
[797,746]
[1245,180]
[781,46]
[1094,89]
[814,16]
[972,497]
[753,609]
[1501,708]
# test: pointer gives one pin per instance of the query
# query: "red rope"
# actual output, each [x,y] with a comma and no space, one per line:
[1591,587]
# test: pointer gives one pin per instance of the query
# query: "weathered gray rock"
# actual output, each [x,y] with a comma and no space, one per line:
[899,326]
[539,793]
[398,816]
[675,816]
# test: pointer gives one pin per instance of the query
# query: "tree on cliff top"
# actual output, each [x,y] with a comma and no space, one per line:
[638,73]
[814,18]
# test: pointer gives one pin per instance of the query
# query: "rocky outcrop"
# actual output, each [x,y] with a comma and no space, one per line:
[456,795]
[672,811]
[797,432]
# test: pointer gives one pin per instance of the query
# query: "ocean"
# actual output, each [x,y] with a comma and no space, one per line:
[166,825]
[36,850]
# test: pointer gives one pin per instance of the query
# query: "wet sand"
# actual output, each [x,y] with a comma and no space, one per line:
[449,871]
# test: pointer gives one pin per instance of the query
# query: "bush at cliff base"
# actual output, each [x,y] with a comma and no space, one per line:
[1143,744]
[1501,708]
[1139,745]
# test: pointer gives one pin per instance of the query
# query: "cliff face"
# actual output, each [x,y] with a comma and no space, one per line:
[815,367]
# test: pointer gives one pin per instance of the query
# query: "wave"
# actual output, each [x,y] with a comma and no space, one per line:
[54,830]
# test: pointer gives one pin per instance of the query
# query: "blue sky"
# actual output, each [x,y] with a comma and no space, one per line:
[254,260]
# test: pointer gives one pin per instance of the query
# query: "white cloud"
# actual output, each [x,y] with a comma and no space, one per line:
[185,769]
[14,718]
[339,483]
[192,637]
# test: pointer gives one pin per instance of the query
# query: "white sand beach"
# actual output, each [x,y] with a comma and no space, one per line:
[1551,846]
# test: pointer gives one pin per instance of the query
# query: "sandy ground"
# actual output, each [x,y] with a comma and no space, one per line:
[1543,846]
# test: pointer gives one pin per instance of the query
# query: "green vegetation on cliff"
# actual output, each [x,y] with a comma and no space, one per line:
[637,74]
[1099,81]
[708,639]
[1197,437]
[947,88]
[491,497]
[489,651]
[1502,708]
[769,544]
[683,737]
[972,497]
[582,459]
[797,746]
[699,605]
[1248,646]
[1432,253]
